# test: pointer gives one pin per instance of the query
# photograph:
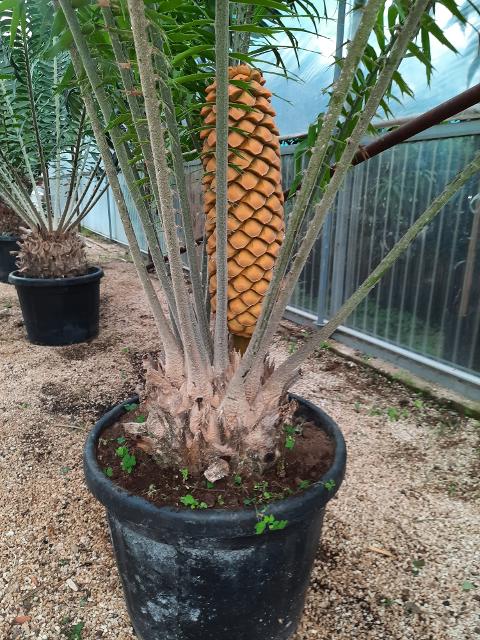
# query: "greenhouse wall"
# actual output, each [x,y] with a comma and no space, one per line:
[425,314]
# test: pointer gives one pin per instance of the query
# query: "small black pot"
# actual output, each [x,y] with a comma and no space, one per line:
[59,311]
[7,261]
[206,575]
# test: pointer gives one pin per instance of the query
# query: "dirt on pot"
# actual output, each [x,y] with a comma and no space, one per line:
[399,558]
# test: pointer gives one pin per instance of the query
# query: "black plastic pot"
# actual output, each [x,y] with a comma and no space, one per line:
[206,575]
[59,311]
[7,261]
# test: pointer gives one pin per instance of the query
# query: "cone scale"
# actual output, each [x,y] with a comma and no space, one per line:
[255,197]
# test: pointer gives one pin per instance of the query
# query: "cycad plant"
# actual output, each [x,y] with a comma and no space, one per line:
[50,174]
[214,399]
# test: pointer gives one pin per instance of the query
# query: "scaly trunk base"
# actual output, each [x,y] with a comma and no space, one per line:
[212,434]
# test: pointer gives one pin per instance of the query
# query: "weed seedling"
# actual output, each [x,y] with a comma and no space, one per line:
[193,503]
[268,523]
[417,565]
[130,406]
[303,484]
[184,473]
[140,419]
[452,489]
[128,460]
[237,480]
[468,586]
[387,602]
[292,346]
[329,485]
[108,472]
[74,632]
[395,414]
[290,433]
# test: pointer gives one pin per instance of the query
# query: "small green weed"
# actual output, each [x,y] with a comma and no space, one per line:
[73,632]
[128,460]
[326,345]
[185,474]
[291,432]
[329,485]
[130,406]
[269,523]
[452,489]
[468,586]
[193,503]
[108,472]
[418,404]
[126,350]
[387,602]
[395,414]
[140,418]
[292,346]
[303,484]
[237,480]
[417,565]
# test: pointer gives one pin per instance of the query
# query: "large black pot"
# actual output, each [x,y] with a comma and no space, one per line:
[7,261]
[59,311]
[206,575]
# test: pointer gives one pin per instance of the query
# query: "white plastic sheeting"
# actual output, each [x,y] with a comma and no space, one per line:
[299,102]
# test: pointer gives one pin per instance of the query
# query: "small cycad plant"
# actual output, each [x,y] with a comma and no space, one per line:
[215,400]
[50,175]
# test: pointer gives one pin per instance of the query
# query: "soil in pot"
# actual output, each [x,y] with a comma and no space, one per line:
[306,455]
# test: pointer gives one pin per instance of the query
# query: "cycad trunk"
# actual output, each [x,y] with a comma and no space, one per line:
[255,196]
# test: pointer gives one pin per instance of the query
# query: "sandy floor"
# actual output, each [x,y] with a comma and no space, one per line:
[400,553]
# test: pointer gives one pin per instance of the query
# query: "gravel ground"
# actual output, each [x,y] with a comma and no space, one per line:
[400,552]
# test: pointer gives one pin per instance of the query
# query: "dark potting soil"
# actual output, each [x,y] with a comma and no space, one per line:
[306,455]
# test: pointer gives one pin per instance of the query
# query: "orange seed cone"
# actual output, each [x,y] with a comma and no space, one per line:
[255,196]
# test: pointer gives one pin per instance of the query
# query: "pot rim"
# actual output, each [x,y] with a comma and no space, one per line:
[94,274]
[211,522]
